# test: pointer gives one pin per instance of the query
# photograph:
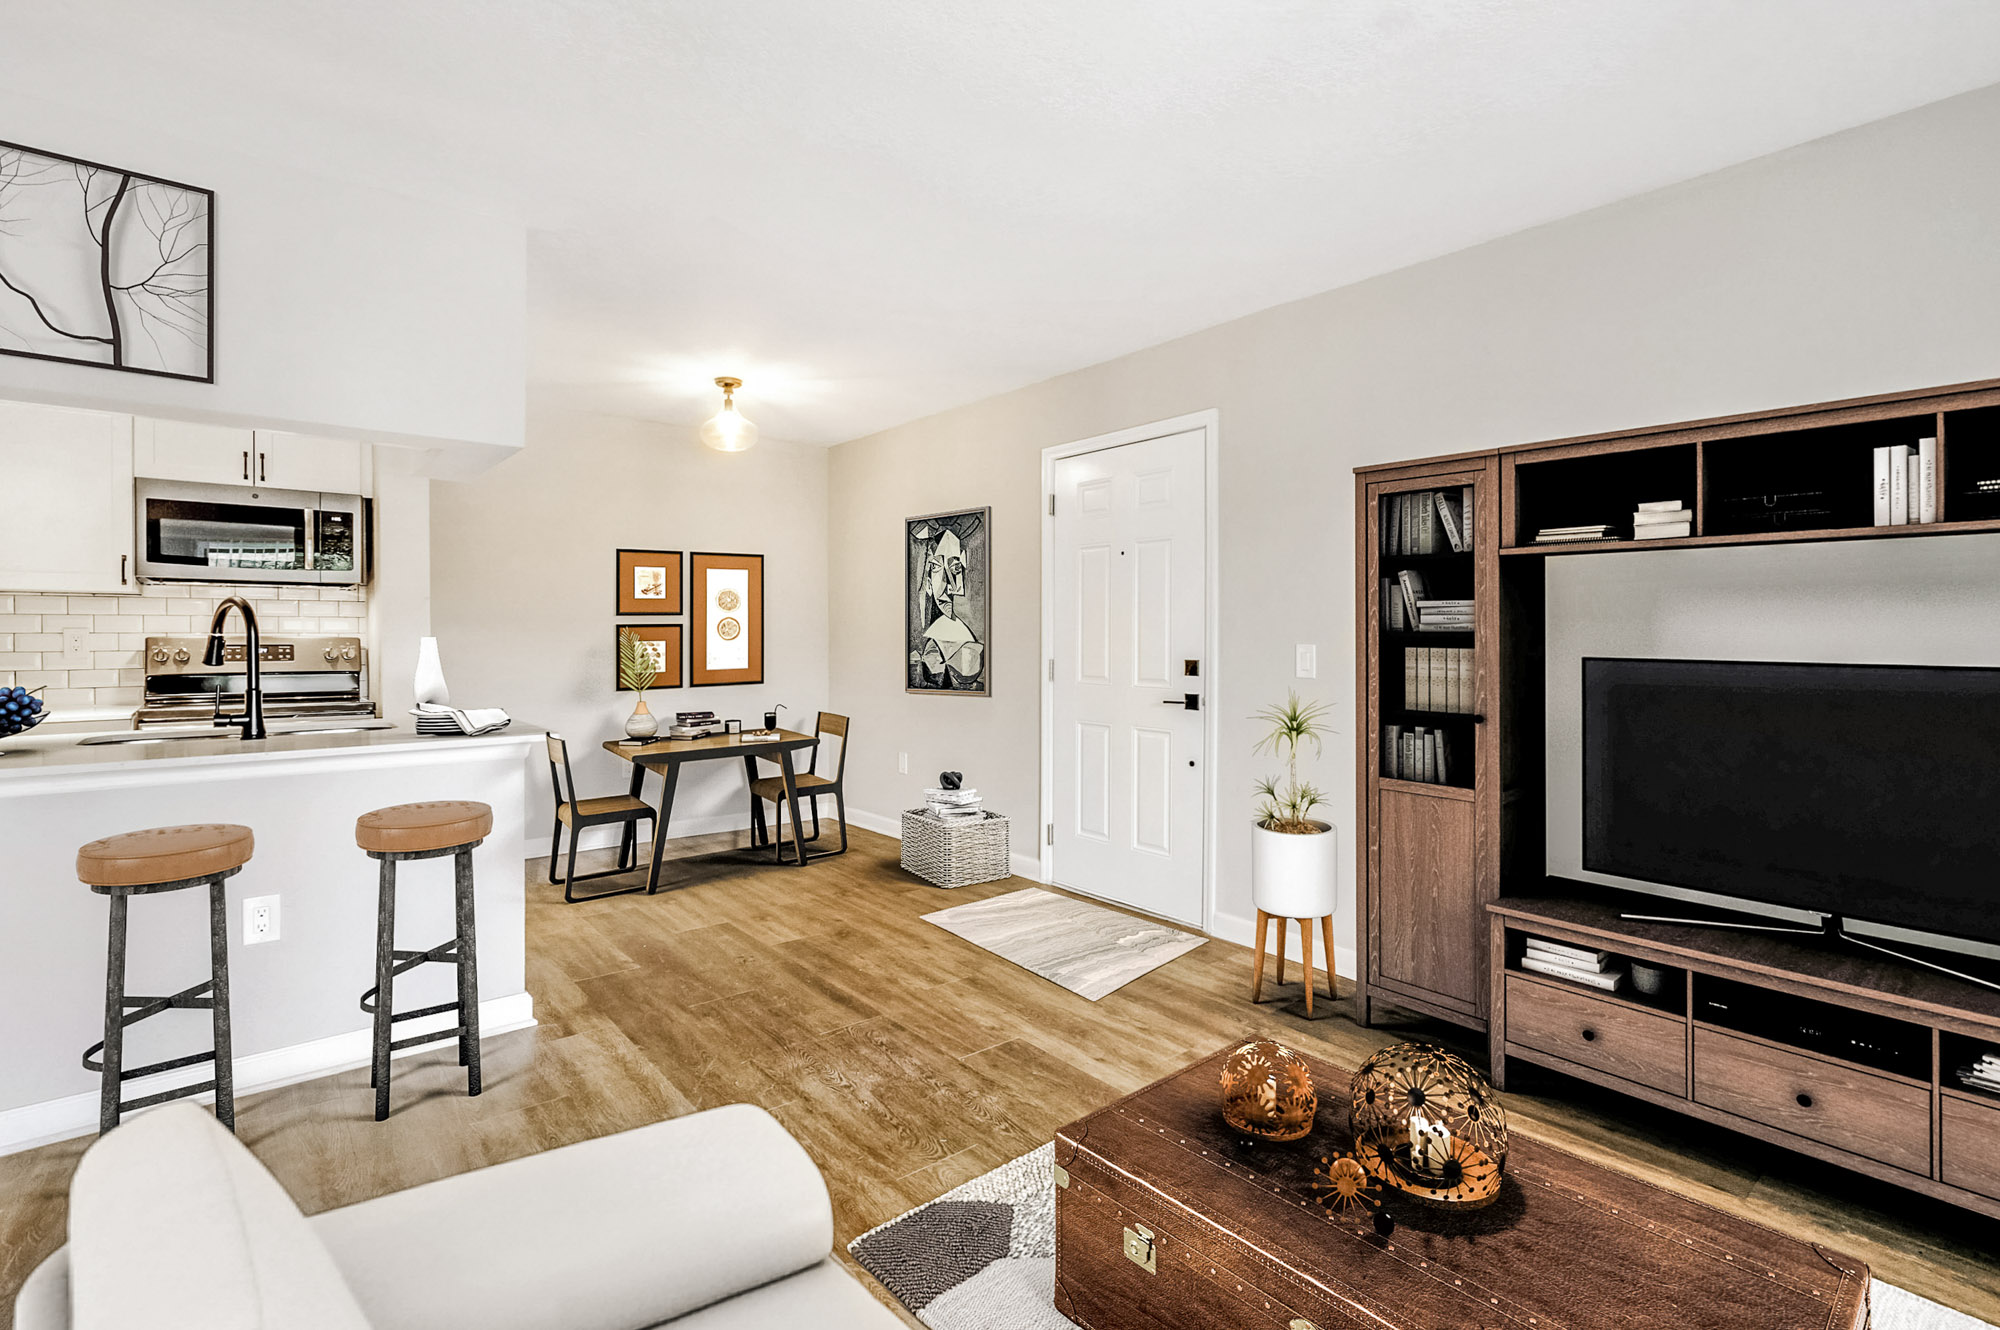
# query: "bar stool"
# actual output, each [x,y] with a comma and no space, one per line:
[423,831]
[144,863]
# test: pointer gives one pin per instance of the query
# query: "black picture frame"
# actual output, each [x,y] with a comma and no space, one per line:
[165,302]
[632,607]
[969,549]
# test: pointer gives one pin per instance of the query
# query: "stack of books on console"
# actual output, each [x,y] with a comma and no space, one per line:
[1664,520]
[1578,965]
[954,805]
[694,725]
[1570,535]
[1983,1074]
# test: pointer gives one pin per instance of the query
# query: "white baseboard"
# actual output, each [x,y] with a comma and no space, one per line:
[59,1119]
[1021,865]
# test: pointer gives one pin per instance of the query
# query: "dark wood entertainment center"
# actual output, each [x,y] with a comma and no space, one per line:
[1454,868]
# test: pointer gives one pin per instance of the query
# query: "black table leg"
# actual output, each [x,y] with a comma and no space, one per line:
[670,772]
[792,804]
[757,836]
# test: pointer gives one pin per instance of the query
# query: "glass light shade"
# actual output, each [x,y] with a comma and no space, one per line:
[728,430]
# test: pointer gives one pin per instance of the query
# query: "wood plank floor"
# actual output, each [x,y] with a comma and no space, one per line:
[909,1061]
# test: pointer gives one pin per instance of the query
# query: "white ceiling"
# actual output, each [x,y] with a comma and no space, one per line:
[876,209]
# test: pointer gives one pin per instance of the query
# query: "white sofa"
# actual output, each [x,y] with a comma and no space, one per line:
[716,1221]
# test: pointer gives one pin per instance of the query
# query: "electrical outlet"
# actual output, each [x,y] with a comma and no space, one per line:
[260,920]
[902,764]
[1308,660]
[76,648]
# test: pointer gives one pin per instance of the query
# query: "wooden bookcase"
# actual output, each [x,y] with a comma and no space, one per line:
[1453,874]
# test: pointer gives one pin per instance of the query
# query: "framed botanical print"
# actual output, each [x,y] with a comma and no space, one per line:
[729,619]
[663,642]
[649,582]
[947,602]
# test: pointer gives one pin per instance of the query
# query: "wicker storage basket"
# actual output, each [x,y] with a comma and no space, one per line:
[955,853]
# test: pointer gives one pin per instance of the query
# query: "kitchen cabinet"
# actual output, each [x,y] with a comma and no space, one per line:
[68,523]
[274,459]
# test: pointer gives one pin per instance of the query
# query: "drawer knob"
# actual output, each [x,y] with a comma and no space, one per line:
[1589,1035]
[1805,1100]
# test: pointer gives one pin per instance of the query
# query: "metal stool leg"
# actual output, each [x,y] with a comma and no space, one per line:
[385,983]
[110,1095]
[468,973]
[218,996]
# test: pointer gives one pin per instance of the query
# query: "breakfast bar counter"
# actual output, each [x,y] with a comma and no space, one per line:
[294,997]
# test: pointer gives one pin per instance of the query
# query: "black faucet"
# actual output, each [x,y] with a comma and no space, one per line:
[251,722]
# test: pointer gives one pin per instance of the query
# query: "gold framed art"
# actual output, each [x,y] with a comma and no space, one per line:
[728,619]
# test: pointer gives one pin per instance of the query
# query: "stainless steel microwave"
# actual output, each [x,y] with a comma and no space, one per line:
[237,533]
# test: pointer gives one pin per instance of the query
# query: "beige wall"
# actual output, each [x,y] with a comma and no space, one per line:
[522,575]
[1860,263]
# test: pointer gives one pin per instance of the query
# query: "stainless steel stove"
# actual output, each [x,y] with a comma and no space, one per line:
[303,677]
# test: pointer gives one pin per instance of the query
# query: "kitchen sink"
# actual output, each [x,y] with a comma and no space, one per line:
[177,734]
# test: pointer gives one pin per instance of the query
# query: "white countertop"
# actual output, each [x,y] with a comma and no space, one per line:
[32,756]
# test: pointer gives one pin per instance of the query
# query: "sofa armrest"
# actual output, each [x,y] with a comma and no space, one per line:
[616,1233]
[43,1302]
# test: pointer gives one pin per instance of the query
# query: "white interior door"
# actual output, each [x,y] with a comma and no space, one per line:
[1130,606]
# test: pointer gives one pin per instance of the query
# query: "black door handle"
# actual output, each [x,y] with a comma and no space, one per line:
[1186,701]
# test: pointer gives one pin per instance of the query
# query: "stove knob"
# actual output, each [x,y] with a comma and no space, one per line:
[330,654]
[159,655]
[348,653]
[181,656]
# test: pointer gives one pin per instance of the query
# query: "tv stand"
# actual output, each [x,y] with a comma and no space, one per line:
[1834,927]
[1843,1054]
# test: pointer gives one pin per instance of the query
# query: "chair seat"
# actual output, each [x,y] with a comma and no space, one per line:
[414,828]
[773,787]
[164,854]
[610,806]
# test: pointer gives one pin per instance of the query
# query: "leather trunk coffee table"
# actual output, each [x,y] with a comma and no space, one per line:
[1166,1219]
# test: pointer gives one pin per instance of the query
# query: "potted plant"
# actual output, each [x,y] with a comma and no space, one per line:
[1292,866]
[636,672]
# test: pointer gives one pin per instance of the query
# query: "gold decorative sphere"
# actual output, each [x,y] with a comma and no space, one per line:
[1268,1092]
[1427,1123]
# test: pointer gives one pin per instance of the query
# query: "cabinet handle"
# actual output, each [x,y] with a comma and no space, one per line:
[1589,1035]
[1805,1100]
[260,468]
[123,561]
[246,464]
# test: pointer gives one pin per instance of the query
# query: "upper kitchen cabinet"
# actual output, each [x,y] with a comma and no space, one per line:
[223,455]
[68,525]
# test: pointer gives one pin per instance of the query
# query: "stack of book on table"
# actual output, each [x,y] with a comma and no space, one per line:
[1570,535]
[953,805]
[1662,520]
[694,725]
[1983,1074]
[1578,965]
[1906,484]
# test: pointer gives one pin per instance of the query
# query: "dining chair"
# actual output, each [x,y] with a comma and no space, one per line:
[576,814]
[810,785]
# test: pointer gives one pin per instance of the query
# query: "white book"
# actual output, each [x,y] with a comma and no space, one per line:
[1915,487]
[1927,498]
[1607,982]
[1881,487]
[1582,957]
[1465,514]
[1661,506]
[1899,485]
[1658,516]
[1663,532]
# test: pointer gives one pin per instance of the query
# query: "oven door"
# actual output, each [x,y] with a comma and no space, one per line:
[229,533]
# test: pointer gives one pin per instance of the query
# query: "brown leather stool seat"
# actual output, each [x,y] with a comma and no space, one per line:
[164,854]
[423,828]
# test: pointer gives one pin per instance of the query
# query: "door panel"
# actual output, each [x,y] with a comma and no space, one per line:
[1129,608]
[1428,936]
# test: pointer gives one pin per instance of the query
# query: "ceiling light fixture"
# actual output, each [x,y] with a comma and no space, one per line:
[728,430]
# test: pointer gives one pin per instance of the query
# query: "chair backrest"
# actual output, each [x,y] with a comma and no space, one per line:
[836,726]
[559,771]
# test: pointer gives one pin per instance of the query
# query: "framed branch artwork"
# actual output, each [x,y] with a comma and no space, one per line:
[105,266]
[661,641]
[947,602]
[729,619]
[649,582]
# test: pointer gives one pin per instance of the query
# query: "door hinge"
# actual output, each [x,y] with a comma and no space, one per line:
[1052,833]
[1052,505]
[1139,1248]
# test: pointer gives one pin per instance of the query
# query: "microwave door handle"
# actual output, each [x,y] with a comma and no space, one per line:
[312,526]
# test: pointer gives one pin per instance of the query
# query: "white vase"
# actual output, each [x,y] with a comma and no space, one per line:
[1294,876]
[641,724]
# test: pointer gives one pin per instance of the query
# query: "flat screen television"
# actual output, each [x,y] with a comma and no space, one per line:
[1864,792]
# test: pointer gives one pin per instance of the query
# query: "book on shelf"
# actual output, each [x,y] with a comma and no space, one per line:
[1414,589]
[1438,678]
[1663,531]
[1892,463]
[1662,516]
[1608,981]
[1660,506]
[1453,523]
[1428,522]
[1569,954]
[1562,535]
[1881,487]
[1392,606]
[1927,491]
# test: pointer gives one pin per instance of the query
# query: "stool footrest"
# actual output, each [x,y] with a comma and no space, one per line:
[368,1004]
[91,1062]
[411,1041]
[165,1096]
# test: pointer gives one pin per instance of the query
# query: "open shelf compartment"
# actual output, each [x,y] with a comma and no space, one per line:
[1801,480]
[1602,488]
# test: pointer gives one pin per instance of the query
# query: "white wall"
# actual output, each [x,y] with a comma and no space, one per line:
[340,308]
[1859,263]
[523,572]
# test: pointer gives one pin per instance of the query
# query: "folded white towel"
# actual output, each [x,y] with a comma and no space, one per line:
[435,719]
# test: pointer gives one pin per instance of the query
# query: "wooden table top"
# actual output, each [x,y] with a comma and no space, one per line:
[1567,1244]
[715,745]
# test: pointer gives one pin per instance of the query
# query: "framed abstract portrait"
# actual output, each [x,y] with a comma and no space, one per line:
[649,582]
[729,619]
[947,576]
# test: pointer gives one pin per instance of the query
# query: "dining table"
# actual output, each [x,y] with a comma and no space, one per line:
[668,756]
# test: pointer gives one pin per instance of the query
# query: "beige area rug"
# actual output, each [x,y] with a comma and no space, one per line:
[1085,948]
[983,1257]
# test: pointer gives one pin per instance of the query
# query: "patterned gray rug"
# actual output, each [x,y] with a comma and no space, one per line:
[983,1257]
[1086,948]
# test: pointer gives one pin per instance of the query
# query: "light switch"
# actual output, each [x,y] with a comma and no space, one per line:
[1308,660]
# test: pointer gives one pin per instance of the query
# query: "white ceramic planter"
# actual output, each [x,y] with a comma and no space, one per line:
[1294,876]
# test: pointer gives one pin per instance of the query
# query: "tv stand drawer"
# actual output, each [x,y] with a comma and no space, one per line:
[1970,1150]
[1834,1103]
[1645,1047]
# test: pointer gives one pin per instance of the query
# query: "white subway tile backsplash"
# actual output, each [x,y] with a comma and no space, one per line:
[353,609]
[115,660]
[119,623]
[132,641]
[194,609]
[160,624]
[55,623]
[56,698]
[6,641]
[41,678]
[118,697]
[6,604]
[20,660]
[20,623]
[93,604]
[38,642]
[26,604]
[93,678]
